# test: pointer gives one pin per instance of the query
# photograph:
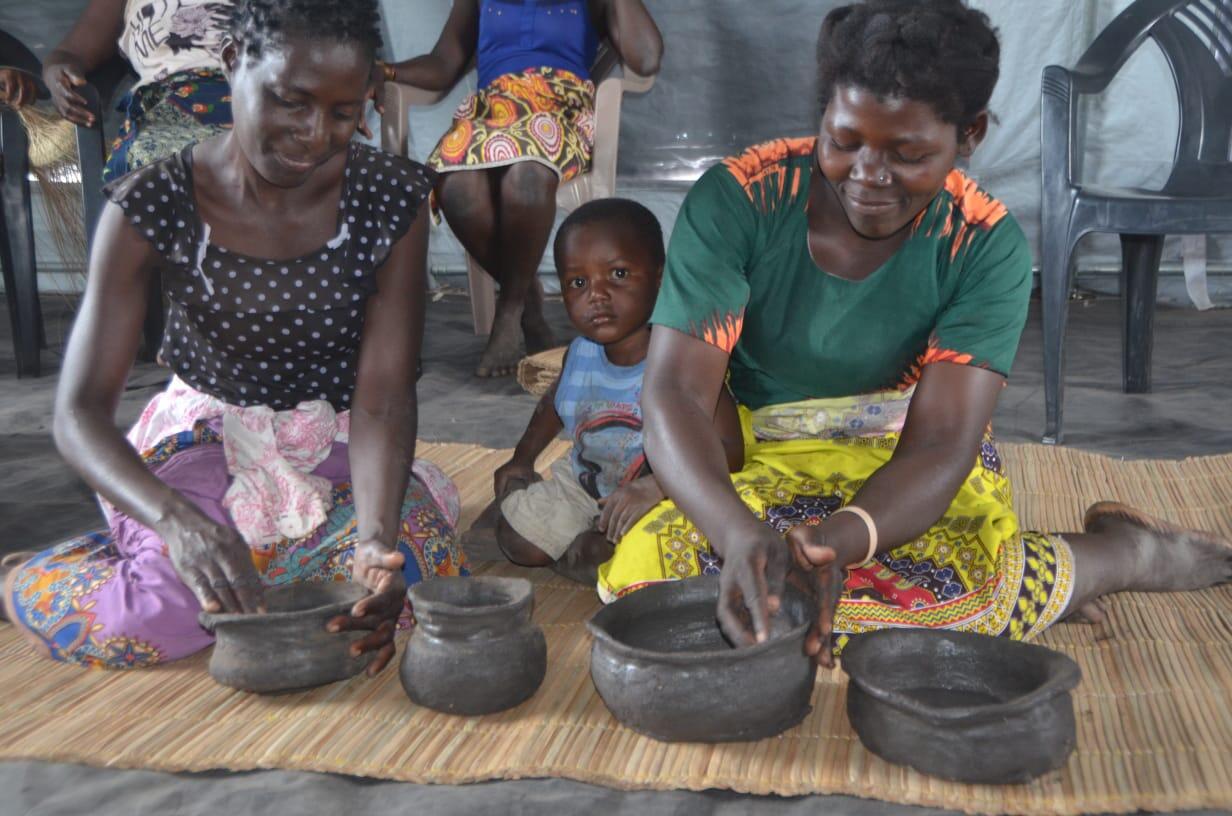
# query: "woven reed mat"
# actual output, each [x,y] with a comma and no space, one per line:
[1154,709]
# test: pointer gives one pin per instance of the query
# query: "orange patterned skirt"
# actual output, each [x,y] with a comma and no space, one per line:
[544,115]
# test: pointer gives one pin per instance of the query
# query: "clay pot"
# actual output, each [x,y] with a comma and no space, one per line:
[474,650]
[961,706]
[663,667]
[287,648]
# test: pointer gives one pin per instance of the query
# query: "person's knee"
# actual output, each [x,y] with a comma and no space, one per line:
[464,195]
[528,186]
[517,549]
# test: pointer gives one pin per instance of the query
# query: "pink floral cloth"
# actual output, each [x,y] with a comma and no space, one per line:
[270,456]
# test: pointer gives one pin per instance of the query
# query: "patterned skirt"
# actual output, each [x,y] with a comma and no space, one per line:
[161,118]
[113,599]
[974,570]
[545,115]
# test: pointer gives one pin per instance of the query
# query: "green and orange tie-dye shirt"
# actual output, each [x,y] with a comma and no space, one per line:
[739,276]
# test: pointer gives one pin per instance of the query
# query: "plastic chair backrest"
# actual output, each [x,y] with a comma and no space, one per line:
[1195,37]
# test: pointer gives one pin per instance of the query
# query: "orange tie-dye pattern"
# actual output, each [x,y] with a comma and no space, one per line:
[933,353]
[721,331]
[766,160]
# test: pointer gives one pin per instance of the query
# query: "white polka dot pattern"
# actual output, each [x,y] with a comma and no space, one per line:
[254,331]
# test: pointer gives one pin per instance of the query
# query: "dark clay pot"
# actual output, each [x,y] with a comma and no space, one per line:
[961,706]
[664,669]
[287,648]
[474,650]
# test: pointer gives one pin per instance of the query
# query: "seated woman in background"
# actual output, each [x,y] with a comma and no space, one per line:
[868,299]
[529,127]
[181,95]
[282,449]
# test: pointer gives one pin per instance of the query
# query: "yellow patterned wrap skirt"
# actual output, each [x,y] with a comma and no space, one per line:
[974,570]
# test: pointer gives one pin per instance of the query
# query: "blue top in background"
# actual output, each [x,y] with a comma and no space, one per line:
[515,35]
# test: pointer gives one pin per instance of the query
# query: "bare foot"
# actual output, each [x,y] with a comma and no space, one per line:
[9,563]
[581,561]
[504,349]
[1165,557]
[535,328]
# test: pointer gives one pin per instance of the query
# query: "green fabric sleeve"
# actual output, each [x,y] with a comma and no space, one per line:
[705,286]
[983,321]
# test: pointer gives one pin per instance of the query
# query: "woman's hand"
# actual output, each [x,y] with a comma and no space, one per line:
[17,88]
[379,569]
[62,79]
[826,558]
[626,505]
[213,561]
[513,475]
[751,583]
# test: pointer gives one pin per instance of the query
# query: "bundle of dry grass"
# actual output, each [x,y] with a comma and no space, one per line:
[54,163]
[537,372]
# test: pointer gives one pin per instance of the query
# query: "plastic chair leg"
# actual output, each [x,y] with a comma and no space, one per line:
[1056,274]
[20,281]
[483,296]
[1140,256]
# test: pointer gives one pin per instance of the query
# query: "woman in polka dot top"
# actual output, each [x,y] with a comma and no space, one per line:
[293,262]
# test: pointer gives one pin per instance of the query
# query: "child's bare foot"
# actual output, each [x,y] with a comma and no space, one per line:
[1165,557]
[581,561]
[504,349]
[9,563]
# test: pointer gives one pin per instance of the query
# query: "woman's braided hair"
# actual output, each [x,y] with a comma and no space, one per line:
[254,23]
[935,51]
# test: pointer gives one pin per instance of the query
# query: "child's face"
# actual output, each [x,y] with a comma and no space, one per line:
[608,280]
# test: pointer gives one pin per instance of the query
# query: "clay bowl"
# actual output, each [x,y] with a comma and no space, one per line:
[287,648]
[960,706]
[474,650]
[664,669]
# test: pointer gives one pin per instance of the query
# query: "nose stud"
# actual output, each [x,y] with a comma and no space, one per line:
[883,178]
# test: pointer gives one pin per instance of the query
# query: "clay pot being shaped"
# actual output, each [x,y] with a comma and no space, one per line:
[663,667]
[961,706]
[287,648]
[474,650]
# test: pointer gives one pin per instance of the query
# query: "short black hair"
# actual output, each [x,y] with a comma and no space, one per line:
[622,210]
[935,51]
[254,23]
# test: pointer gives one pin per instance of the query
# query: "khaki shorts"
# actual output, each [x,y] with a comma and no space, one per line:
[551,513]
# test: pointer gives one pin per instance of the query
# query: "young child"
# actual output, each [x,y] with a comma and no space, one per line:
[609,256]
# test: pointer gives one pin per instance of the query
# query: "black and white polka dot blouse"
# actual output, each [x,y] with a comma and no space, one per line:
[252,331]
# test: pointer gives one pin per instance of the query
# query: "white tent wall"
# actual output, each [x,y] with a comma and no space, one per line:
[736,72]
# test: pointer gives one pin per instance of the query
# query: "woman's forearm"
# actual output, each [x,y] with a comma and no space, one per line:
[635,35]
[428,71]
[381,451]
[907,495]
[89,441]
[690,463]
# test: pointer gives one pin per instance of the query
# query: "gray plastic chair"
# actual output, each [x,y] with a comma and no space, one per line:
[1195,37]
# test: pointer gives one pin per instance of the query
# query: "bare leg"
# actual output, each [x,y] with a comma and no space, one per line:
[517,549]
[1126,550]
[581,561]
[468,200]
[526,214]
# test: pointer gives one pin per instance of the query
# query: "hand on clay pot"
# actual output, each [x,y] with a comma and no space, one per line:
[212,560]
[379,569]
[826,559]
[755,564]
